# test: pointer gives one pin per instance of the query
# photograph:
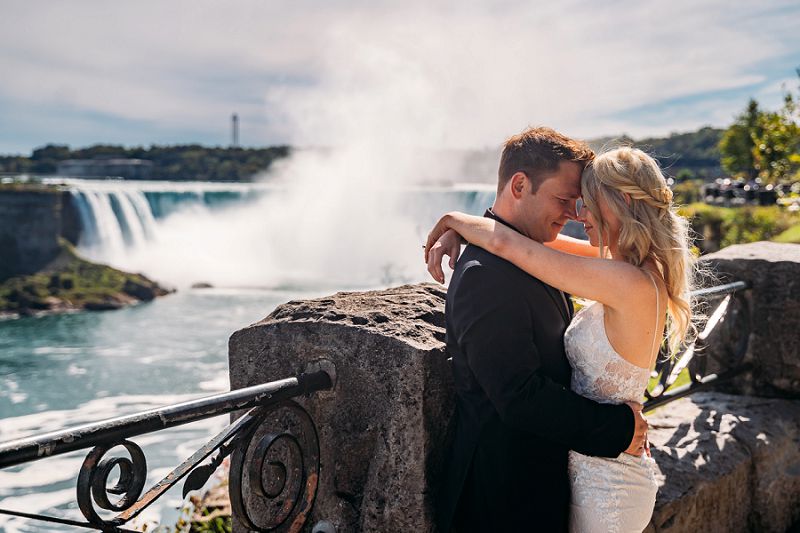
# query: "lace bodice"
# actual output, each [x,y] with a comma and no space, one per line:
[609,495]
[598,371]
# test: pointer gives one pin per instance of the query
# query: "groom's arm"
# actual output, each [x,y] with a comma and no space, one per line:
[497,340]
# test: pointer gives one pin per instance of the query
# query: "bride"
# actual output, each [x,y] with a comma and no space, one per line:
[636,270]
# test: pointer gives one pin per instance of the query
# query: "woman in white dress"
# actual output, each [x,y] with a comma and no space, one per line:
[637,271]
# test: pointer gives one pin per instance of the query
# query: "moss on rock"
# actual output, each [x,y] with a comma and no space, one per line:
[70,282]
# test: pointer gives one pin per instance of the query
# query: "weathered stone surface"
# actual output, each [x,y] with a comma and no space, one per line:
[773,306]
[30,224]
[382,428]
[143,289]
[726,463]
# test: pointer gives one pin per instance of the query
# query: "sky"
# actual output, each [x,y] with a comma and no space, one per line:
[450,74]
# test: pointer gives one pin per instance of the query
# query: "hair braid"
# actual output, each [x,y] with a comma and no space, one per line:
[632,185]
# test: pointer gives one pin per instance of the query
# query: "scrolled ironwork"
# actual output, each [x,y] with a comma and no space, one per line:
[289,458]
[275,470]
[93,479]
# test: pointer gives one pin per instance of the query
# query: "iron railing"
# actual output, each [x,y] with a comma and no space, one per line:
[733,309]
[274,452]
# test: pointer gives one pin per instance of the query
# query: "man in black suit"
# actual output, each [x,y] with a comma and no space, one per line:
[515,417]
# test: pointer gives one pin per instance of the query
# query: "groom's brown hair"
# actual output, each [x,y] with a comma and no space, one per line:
[537,151]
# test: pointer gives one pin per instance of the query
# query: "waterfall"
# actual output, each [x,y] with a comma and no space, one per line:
[119,218]
[258,235]
[262,235]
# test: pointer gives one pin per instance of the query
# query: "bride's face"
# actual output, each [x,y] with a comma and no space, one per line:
[592,226]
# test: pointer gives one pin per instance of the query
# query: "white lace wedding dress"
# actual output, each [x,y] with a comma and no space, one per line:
[608,495]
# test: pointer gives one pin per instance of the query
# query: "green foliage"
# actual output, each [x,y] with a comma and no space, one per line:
[683,379]
[687,191]
[217,524]
[178,163]
[70,279]
[738,142]
[684,155]
[791,235]
[725,226]
[764,143]
[776,154]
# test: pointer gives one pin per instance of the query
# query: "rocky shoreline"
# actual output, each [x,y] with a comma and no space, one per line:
[40,270]
[70,283]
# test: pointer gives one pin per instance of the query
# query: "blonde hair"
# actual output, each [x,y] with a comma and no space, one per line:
[633,187]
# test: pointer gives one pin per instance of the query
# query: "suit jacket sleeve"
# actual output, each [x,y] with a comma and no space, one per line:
[497,339]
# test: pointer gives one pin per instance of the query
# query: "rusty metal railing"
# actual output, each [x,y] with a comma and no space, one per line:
[732,308]
[274,452]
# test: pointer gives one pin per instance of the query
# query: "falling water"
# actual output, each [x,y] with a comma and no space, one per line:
[245,235]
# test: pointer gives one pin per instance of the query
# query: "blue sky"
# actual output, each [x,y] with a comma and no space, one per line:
[445,74]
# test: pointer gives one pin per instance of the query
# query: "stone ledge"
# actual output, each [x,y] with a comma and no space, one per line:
[726,463]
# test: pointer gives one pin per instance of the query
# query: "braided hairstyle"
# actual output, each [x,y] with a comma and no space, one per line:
[631,184]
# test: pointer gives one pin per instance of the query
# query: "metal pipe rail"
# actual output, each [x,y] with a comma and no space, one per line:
[114,429]
[276,434]
[667,370]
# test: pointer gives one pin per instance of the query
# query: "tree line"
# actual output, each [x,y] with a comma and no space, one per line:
[179,163]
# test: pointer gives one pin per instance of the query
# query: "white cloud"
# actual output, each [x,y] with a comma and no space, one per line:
[459,74]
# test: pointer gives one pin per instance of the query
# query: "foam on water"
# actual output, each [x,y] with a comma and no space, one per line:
[62,371]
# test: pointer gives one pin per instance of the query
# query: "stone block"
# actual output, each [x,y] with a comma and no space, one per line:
[726,464]
[772,318]
[382,429]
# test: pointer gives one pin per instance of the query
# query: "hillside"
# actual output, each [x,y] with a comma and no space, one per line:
[696,152]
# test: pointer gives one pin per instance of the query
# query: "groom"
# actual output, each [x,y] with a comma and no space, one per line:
[515,417]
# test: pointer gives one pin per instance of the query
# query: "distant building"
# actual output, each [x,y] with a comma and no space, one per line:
[133,169]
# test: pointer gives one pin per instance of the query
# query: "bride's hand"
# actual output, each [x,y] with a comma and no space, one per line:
[449,244]
[441,227]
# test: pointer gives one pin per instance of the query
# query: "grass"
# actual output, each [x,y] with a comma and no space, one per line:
[791,235]
[738,225]
[682,379]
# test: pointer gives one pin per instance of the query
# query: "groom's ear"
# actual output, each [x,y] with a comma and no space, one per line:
[518,182]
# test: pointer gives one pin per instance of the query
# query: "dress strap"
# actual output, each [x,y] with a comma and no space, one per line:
[658,307]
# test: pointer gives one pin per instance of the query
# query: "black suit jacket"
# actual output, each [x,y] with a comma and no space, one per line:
[515,417]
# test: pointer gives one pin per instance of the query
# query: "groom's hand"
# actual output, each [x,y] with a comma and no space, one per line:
[639,443]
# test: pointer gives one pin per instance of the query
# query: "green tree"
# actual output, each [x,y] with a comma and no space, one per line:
[776,154]
[738,143]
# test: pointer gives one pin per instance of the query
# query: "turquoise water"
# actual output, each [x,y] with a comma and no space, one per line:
[62,370]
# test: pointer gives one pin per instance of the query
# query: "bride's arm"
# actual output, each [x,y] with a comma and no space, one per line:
[609,282]
[571,245]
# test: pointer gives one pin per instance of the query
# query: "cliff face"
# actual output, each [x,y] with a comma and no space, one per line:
[40,271]
[31,222]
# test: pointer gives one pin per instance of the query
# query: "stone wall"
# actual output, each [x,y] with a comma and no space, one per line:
[31,222]
[725,463]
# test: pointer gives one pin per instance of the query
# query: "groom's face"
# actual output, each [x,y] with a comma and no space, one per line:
[544,213]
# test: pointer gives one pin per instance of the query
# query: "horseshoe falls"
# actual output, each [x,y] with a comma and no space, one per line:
[261,235]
